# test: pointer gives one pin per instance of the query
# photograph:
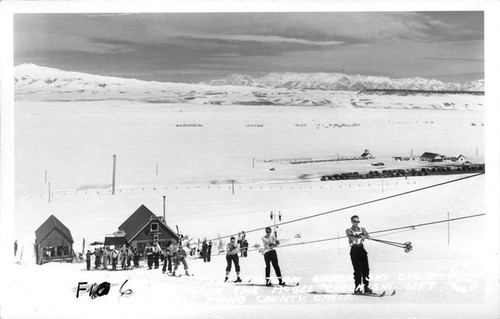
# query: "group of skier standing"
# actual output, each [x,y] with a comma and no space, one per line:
[105,256]
[359,257]
[173,254]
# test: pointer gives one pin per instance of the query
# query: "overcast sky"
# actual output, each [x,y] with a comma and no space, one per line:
[193,47]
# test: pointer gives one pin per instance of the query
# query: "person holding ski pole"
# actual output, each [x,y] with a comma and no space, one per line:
[359,256]
[232,257]
[180,257]
[270,257]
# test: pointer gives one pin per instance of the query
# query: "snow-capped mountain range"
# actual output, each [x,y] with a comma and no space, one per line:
[37,83]
[38,77]
[344,82]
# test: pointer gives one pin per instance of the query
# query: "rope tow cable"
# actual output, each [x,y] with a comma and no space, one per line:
[357,205]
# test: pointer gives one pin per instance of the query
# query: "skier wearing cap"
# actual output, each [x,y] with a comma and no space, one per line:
[359,256]
[270,257]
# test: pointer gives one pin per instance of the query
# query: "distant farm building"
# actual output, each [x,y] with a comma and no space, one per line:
[116,239]
[459,159]
[404,158]
[143,227]
[432,157]
[367,155]
[53,242]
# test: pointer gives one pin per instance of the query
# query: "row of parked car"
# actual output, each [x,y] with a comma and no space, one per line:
[437,170]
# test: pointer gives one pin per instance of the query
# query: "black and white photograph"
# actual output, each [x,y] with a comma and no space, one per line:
[244,159]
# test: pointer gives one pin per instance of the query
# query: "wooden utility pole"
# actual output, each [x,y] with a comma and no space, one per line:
[164,196]
[114,175]
[49,192]
[232,186]
[45,177]
[156,169]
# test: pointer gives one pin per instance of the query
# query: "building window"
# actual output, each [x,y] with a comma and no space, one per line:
[154,227]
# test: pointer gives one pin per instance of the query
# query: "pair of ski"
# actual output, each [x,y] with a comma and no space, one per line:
[181,275]
[252,284]
[373,294]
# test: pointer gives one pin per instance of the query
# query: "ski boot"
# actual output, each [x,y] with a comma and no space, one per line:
[357,291]
[225,280]
[368,291]
[238,279]
[268,283]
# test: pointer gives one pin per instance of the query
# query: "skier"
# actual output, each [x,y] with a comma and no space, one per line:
[97,253]
[87,258]
[137,256]
[279,215]
[180,257]
[204,250]
[130,256]
[359,256]
[232,257]
[270,257]
[156,254]
[209,251]
[167,257]
[114,258]
[271,215]
[105,253]
[244,245]
[124,257]
[149,254]
[15,247]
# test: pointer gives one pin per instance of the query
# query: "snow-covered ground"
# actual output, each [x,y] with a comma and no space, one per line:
[199,150]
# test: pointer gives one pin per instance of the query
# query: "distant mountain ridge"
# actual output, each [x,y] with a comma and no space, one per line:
[38,77]
[37,83]
[343,82]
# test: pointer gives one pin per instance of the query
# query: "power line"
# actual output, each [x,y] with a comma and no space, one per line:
[357,205]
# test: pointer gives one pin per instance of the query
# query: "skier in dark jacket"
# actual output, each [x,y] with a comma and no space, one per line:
[167,257]
[149,254]
[88,255]
[204,250]
[209,251]
[359,256]
[137,256]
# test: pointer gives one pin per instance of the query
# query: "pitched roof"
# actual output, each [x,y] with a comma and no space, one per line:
[430,155]
[50,224]
[137,221]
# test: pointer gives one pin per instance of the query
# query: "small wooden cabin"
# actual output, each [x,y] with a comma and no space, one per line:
[143,227]
[53,242]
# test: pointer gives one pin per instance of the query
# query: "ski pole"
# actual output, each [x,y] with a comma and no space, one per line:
[388,242]
[407,246]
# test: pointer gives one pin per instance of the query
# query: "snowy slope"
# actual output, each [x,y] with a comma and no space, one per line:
[74,140]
